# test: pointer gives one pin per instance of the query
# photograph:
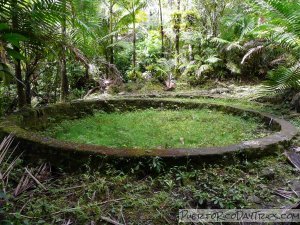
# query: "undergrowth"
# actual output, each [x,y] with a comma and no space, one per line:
[142,198]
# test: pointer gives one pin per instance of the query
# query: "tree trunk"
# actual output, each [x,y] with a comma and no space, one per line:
[86,74]
[110,31]
[56,81]
[217,12]
[191,52]
[28,87]
[63,61]
[214,25]
[18,69]
[177,40]
[161,29]
[20,84]
[107,73]
[134,45]
[177,45]
[178,33]
[64,79]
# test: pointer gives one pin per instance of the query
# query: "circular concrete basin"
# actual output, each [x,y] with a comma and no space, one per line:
[24,125]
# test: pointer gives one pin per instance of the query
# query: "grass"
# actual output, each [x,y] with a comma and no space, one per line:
[159,129]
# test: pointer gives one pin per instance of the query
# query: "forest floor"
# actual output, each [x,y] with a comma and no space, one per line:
[152,193]
[215,90]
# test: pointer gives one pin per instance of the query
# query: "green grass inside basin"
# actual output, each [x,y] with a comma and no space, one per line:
[159,129]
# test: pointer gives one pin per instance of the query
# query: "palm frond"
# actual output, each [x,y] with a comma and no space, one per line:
[284,32]
[227,45]
[234,68]
[283,79]
[202,69]
[251,53]
[7,160]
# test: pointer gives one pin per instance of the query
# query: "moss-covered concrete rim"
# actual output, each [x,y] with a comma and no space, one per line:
[35,143]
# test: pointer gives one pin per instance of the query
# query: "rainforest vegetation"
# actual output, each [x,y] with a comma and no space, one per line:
[240,53]
[61,50]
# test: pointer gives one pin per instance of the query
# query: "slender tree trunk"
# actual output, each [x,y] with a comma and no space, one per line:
[110,31]
[178,33]
[214,25]
[86,74]
[177,39]
[29,72]
[177,45]
[18,69]
[107,75]
[64,79]
[216,11]
[191,52]
[56,81]
[134,45]
[161,29]
[28,87]
[20,84]
[63,61]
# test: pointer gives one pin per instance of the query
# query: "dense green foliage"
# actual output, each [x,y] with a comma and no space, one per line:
[67,47]
[287,36]
[159,129]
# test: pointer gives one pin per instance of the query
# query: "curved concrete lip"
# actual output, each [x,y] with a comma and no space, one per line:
[36,141]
